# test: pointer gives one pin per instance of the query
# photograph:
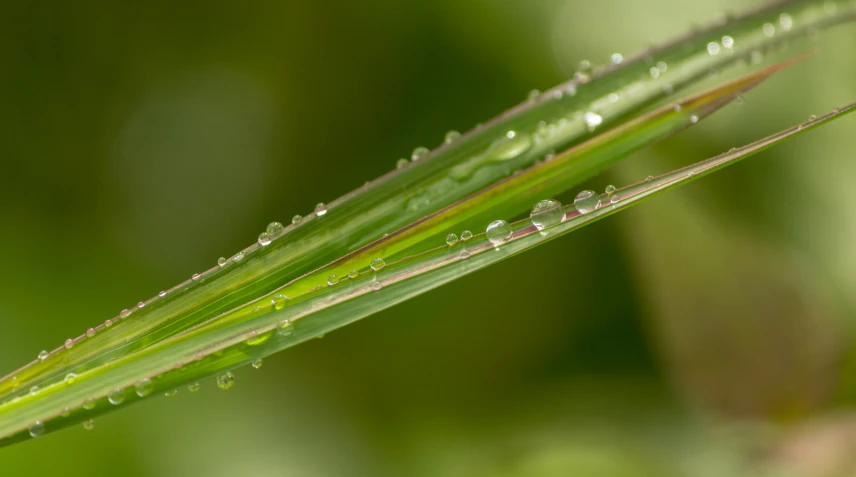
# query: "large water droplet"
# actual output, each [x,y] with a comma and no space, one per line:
[466,235]
[116,396]
[419,153]
[225,380]
[144,387]
[89,424]
[546,213]
[37,429]
[320,209]
[377,264]
[498,232]
[586,201]
[274,228]
[451,239]
[279,301]
[265,239]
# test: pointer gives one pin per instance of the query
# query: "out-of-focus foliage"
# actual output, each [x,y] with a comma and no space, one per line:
[121,120]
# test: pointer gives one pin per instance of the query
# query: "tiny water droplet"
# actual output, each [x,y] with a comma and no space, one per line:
[274,228]
[662,66]
[613,98]
[354,274]
[451,239]
[320,209]
[279,301]
[451,137]
[786,21]
[466,235]
[693,119]
[401,163]
[125,313]
[377,264]
[90,332]
[284,328]
[593,120]
[239,256]
[265,239]
[220,261]
[617,58]
[586,201]
[108,323]
[419,153]
[498,232]
[225,380]
[144,387]
[43,355]
[713,48]
[171,393]
[70,377]
[89,424]
[257,363]
[296,219]
[68,343]
[37,429]
[649,178]
[585,64]
[464,255]
[163,293]
[614,199]
[193,387]
[34,390]
[654,72]
[376,285]
[88,404]
[332,280]
[769,30]
[812,118]
[546,213]
[195,277]
[728,42]
[116,396]
[610,189]
[533,95]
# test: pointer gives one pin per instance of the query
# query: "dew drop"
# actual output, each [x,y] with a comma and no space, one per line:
[617,58]
[593,120]
[284,328]
[451,137]
[451,239]
[279,301]
[654,72]
[144,387]
[332,280]
[662,66]
[239,256]
[613,98]
[812,118]
[171,393]
[68,343]
[354,274]
[257,363]
[90,332]
[108,323]
[220,261]
[88,404]
[649,178]
[419,153]
[125,313]
[265,239]
[585,64]
[296,219]
[466,235]
[786,21]
[196,277]
[693,119]
[498,232]
[274,228]
[89,424]
[728,42]
[614,199]
[193,387]
[401,163]
[70,378]
[163,293]
[533,95]
[464,255]
[37,429]
[225,381]
[586,201]
[769,30]
[116,396]
[320,209]
[34,390]
[713,48]
[43,355]
[376,285]
[546,213]
[377,264]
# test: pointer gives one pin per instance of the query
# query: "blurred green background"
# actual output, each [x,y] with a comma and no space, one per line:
[705,333]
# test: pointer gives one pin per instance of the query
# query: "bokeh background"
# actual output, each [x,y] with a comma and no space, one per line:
[705,333]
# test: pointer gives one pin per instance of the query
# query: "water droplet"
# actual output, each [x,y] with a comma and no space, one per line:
[264,239]
[466,235]
[533,95]
[37,429]
[284,328]
[376,285]
[171,393]
[320,209]
[68,343]
[88,404]
[614,199]
[401,163]
[43,355]
[193,387]
[377,264]
[34,390]
[654,72]
[89,424]
[274,228]
[125,313]
[728,42]
[70,377]
[662,66]
[354,274]
[225,380]
[195,277]
[332,280]
[419,153]
[296,219]
[451,239]
[617,58]
[649,178]
[464,255]
[163,293]
[586,201]
[451,137]
[593,120]
[585,64]
[108,323]
[238,256]
[144,387]
[693,119]
[279,301]
[713,48]
[220,261]
[257,363]
[812,118]
[613,98]
[610,189]
[546,213]
[498,232]
[90,332]
[677,108]
[116,396]
[786,21]
[769,30]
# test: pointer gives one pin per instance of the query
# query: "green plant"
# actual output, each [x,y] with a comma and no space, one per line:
[238,311]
